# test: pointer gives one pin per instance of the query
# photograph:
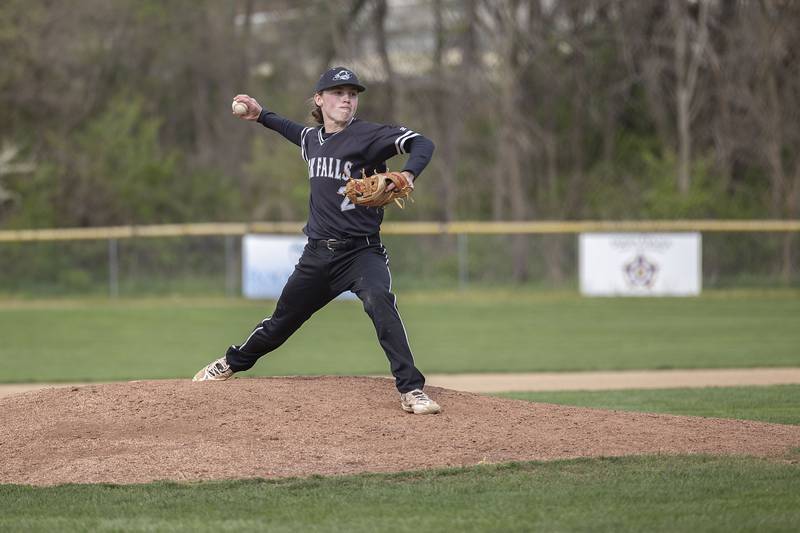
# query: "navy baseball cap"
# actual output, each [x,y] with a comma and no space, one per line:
[339,76]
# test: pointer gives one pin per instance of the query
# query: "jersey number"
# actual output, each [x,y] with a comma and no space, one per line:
[346,203]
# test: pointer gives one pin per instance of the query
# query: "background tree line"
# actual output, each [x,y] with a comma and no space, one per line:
[117,112]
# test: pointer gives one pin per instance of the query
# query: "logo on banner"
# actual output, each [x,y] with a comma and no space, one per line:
[640,272]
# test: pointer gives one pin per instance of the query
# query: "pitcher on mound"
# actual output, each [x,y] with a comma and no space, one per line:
[344,250]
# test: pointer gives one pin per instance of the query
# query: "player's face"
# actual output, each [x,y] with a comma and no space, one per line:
[338,104]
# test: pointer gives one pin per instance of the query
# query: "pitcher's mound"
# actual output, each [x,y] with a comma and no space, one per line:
[275,427]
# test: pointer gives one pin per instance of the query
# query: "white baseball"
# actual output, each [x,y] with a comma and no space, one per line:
[238,108]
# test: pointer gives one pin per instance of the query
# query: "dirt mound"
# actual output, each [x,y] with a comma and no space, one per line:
[276,427]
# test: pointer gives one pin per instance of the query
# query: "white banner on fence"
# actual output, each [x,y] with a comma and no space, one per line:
[267,263]
[640,264]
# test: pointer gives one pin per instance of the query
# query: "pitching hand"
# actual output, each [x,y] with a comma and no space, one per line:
[253,107]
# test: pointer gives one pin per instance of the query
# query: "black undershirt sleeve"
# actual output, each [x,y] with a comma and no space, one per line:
[420,150]
[387,141]
[289,129]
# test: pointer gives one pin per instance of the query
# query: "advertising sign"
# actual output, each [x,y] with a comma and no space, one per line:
[267,263]
[640,264]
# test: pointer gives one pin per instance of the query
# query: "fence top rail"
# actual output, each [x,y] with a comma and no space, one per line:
[404,228]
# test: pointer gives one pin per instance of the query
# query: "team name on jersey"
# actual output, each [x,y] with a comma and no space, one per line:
[329,167]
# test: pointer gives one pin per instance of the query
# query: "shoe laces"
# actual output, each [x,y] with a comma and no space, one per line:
[419,396]
[218,368]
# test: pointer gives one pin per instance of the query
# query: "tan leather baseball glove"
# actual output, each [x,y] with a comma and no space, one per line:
[372,191]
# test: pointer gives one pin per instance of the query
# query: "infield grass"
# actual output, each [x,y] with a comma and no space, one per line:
[779,404]
[481,331]
[654,493]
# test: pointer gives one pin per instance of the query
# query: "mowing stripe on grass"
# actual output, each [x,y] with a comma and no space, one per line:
[130,339]
[778,404]
[624,494]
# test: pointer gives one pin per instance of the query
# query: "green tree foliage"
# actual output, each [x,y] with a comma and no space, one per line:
[115,171]
[570,109]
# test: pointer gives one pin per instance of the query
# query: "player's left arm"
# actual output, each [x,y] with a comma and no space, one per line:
[389,141]
[420,150]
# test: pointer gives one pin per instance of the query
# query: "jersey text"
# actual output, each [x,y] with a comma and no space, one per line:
[329,167]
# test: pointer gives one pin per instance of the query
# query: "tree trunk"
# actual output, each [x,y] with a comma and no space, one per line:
[379,18]
[684,141]
[514,146]
[683,97]
[687,59]
[448,125]
[338,21]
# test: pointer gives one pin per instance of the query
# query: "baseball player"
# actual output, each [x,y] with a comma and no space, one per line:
[344,250]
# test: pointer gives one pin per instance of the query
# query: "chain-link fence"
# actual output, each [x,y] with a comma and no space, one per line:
[212,265]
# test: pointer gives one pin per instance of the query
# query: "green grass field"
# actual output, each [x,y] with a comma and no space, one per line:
[94,340]
[778,404]
[450,332]
[627,494]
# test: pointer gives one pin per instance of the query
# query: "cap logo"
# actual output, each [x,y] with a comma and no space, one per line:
[342,75]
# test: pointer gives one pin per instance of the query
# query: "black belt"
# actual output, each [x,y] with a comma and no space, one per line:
[345,244]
